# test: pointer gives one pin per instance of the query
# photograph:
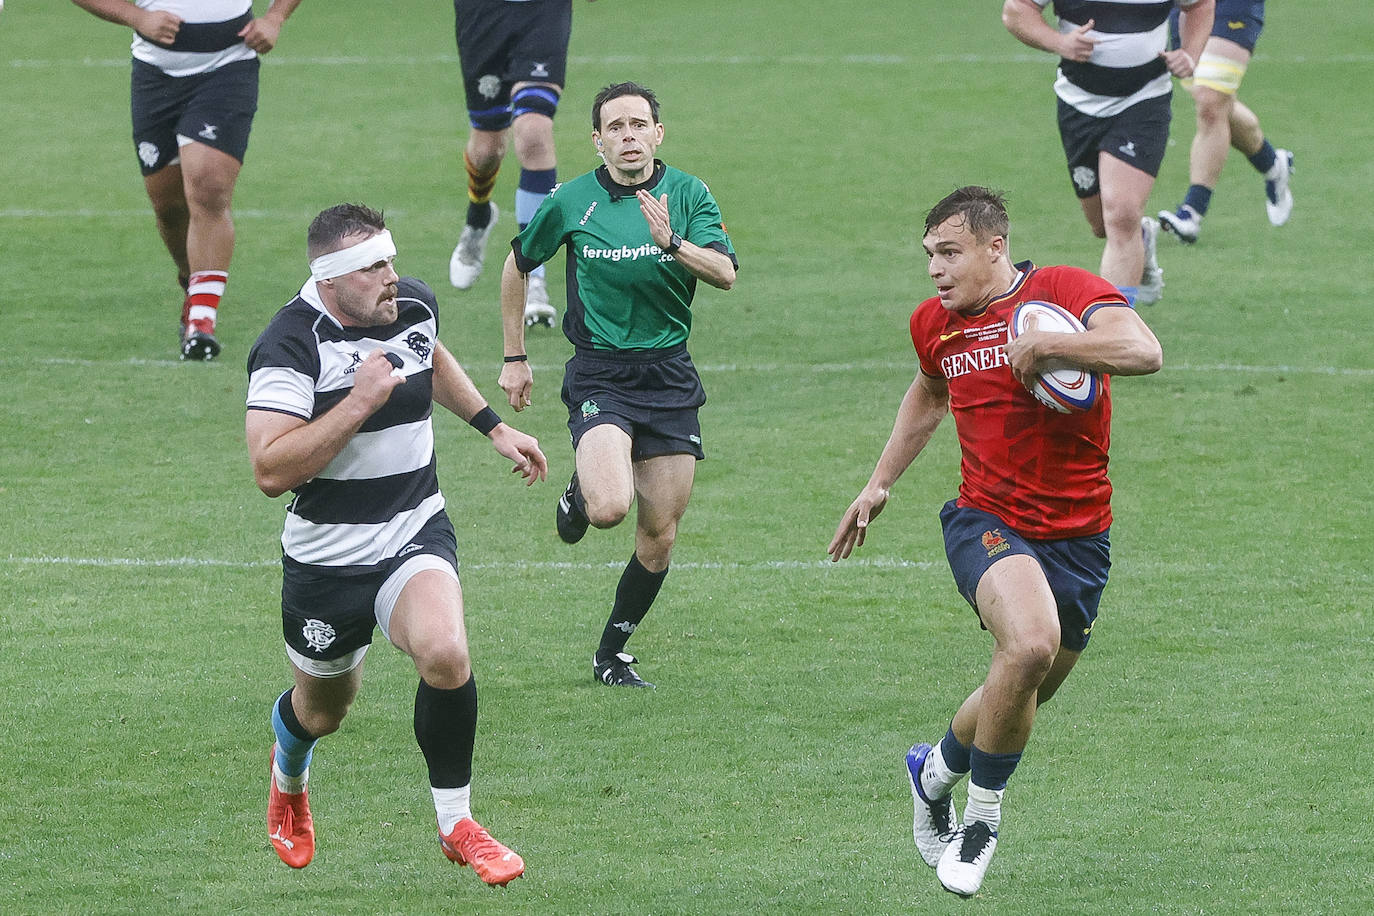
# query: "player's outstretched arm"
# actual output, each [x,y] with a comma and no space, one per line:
[922,409]
[454,390]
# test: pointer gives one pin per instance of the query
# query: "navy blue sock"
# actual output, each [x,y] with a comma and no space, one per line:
[1199,197]
[633,596]
[955,754]
[991,771]
[1264,160]
[446,729]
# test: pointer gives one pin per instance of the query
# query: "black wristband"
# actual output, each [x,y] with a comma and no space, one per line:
[517,359]
[484,421]
[674,243]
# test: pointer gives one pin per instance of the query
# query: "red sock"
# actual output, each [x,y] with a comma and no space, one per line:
[202,297]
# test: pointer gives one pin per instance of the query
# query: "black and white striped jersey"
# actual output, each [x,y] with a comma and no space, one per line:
[367,503]
[1126,67]
[207,40]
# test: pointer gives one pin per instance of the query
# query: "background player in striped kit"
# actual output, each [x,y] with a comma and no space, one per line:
[1113,91]
[341,390]
[194,93]
[514,57]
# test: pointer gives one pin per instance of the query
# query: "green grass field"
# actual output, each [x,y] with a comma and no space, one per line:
[1210,754]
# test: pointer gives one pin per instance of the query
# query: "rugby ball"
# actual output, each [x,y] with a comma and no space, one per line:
[1066,389]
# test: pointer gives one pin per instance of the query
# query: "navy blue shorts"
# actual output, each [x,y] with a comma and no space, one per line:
[1137,136]
[1240,21]
[653,397]
[502,43]
[214,108]
[1076,568]
[326,615]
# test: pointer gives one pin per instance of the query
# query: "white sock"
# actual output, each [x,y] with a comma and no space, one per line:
[291,785]
[937,779]
[984,805]
[451,806]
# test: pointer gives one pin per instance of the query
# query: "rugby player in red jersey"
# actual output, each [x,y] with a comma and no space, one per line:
[1027,536]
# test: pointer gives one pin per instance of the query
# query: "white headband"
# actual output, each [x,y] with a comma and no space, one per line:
[355,257]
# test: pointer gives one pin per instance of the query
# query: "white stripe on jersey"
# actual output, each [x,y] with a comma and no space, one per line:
[1105,106]
[1118,50]
[199,10]
[282,389]
[355,545]
[394,450]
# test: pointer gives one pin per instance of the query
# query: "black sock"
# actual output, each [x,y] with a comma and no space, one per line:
[633,596]
[446,728]
[479,215]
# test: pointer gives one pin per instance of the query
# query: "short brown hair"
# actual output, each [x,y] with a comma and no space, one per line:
[617,90]
[984,212]
[338,223]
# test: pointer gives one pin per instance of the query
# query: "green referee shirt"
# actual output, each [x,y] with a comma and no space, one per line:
[624,292]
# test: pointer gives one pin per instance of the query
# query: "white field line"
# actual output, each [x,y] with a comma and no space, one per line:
[711,368]
[552,565]
[682,60]
[140,213]
[144,213]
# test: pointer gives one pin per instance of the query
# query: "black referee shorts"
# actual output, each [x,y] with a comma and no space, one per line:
[653,396]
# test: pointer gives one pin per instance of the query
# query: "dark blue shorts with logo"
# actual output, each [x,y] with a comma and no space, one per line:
[214,108]
[501,44]
[1137,136]
[319,604]
[652,395]
[1076,568]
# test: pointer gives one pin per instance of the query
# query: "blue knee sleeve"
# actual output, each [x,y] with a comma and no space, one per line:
[534,100]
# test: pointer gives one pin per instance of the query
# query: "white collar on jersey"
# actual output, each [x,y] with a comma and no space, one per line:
[312,298]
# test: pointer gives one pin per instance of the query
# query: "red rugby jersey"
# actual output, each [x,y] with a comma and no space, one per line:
[1042,472]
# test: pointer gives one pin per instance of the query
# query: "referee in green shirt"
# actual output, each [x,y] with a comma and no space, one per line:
[638,236]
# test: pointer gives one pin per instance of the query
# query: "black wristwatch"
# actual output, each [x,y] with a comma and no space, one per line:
[674,244]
